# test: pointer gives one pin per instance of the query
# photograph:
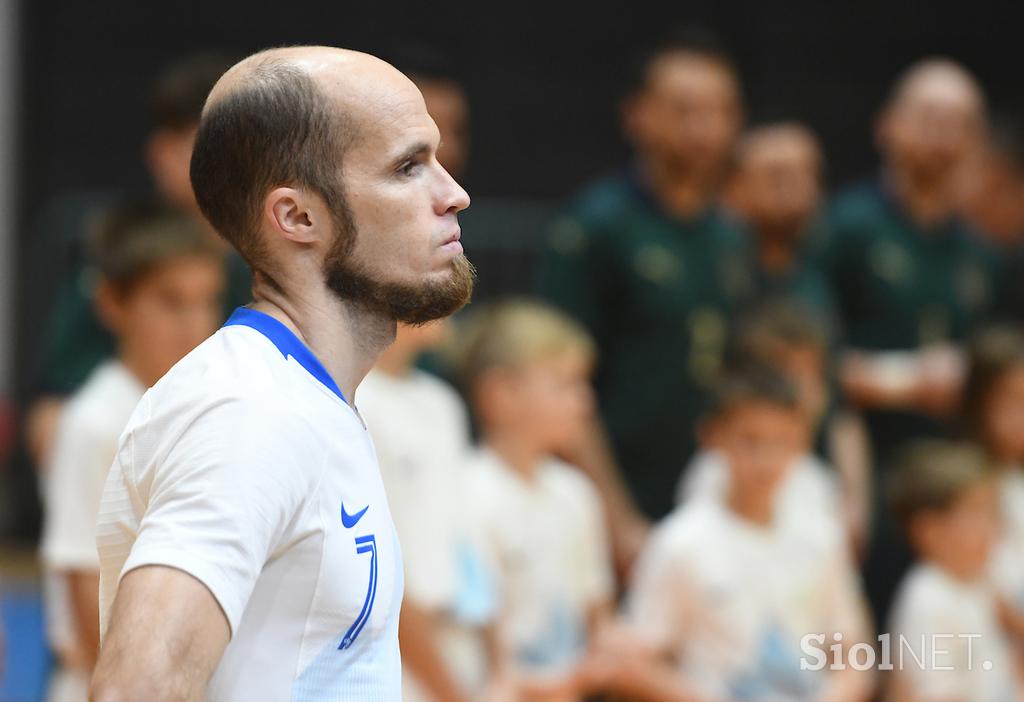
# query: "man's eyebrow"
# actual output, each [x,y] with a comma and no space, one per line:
[417,149]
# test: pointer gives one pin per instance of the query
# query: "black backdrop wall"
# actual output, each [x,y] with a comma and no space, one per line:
[542,81]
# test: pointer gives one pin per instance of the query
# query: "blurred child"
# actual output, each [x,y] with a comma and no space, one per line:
[947,642]
[783,334]
[993,416]
[160,291]
[421,433]
[527,370]
[725,594]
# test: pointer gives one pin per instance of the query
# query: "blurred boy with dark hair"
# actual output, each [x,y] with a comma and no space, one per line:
[946,612]
[75,340]
[725,592]
[831,481]
[160,295]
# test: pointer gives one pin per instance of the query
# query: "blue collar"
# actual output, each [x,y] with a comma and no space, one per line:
[286,342]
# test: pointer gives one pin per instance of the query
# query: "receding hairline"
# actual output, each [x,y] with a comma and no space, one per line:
[311,61]
[933,69]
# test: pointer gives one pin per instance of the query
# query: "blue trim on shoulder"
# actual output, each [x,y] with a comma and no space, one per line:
[286,342]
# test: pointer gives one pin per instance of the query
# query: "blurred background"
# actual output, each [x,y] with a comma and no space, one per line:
[545,92]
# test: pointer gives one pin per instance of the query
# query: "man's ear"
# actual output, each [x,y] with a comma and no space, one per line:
[295,214]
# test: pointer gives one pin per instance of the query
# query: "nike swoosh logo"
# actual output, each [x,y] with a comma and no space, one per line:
[350,520]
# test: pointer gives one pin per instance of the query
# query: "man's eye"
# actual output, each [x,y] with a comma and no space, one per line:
[409,168]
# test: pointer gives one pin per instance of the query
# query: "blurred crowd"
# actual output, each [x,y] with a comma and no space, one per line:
[739,428]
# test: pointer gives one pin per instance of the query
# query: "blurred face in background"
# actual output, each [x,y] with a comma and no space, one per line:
[446,103]
[164,314]
[168,155]
[933,123]
[760,441]
[961,537]
[1003,421]
[547,401]
[686,117]
[777,183]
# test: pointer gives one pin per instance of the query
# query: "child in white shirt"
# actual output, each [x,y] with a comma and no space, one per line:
[162,278]
[527,370]
[946,637]
[726,591]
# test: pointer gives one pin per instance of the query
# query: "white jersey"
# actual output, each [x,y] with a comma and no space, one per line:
[421,431]
[730,601]
[84,447]
[544,537]
[947,641]
[246,468]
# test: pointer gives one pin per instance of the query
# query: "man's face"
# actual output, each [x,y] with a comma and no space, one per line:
[688,114]
[931,130]
[398,247]
[778,181]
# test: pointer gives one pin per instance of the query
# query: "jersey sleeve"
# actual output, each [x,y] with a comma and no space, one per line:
[82,455]
[224,498]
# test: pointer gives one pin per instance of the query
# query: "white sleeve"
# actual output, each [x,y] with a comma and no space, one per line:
[659,597]
[81,458]
[220,503]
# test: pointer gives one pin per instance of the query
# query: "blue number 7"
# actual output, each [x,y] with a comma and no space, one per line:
[364,544]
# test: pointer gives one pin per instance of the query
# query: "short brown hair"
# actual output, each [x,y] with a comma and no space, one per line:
[753,382]
[932,474]
[781,321]
[276,129]
[131,239]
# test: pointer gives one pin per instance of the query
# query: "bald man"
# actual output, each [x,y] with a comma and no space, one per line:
[911,280]
[246,545]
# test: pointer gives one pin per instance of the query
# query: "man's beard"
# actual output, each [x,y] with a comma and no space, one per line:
[403,302]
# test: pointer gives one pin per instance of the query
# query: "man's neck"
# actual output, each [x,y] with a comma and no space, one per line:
[682,193]
[927,201]
[346,338]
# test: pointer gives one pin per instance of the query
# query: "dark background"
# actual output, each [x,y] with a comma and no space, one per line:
[543,82]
